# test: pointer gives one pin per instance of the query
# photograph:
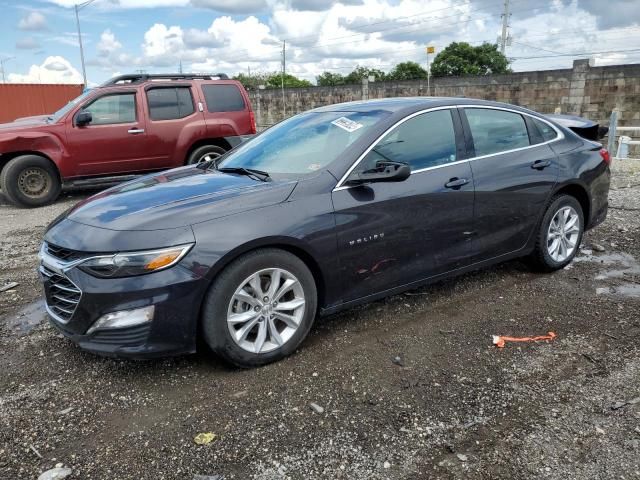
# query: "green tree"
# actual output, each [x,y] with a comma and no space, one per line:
[275,81]
[407,71]
[253,81]
[363,72]
[460,58]
[328,79]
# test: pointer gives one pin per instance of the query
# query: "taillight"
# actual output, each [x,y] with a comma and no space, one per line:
[606,158]
[253,122]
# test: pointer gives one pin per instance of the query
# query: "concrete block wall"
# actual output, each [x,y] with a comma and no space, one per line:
[584,90]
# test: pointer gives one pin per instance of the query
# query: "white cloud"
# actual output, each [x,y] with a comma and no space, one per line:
[161,40]
[33,21]
[108,44]
[54,69]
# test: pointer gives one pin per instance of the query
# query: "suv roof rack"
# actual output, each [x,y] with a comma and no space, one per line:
[143,77]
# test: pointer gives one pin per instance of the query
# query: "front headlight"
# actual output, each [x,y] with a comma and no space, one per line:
[134,263]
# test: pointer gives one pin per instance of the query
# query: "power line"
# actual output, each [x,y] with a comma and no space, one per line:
[315,46]
[576,54]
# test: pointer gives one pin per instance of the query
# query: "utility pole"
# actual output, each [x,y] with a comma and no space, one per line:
[180,67]
[2,62]
[284,69]
[77,7]
[505,26]
[84,72]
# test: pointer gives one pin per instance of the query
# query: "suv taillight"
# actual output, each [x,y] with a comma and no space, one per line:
[253,122]
[606,158]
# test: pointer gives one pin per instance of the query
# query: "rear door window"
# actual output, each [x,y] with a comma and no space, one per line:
[496,131]
[223,98]
[170,103]
[546,130]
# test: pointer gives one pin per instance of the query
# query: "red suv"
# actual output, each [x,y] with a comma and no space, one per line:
[130,125]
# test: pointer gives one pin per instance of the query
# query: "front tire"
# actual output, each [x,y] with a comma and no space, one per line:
[559,234]
[260,308]
[30,181]
[205,153]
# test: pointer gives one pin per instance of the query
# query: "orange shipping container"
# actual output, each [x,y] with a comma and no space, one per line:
[26,99]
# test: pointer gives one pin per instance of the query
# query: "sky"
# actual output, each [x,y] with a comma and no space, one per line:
[39,40]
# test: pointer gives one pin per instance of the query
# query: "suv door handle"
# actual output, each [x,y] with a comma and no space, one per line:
[456,183]
[540,164]
[134,131]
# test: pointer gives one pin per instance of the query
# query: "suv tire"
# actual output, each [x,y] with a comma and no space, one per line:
[275,317]
[205,153]
[30,181]
[559,234]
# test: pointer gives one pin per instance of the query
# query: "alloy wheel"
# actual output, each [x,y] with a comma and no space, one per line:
[563,234]
[266,310]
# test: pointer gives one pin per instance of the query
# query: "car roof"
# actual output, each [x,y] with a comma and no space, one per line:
[411,104]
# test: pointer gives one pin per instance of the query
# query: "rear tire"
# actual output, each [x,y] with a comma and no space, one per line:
[559,234]
[270,296]
[30,181]
[205,153]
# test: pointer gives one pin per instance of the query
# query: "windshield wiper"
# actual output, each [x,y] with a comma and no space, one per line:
[249,172]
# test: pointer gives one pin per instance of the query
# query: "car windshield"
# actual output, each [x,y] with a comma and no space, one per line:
[304,143]
[60,113]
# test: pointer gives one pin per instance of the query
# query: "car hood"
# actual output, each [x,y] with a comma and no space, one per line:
[24,123]
[176,198]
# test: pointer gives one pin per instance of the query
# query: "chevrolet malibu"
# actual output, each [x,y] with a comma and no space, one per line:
[331,208]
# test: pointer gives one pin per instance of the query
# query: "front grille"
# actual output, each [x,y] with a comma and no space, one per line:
[62,253]
[63,295]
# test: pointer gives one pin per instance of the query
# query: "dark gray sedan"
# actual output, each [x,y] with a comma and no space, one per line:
[333,207]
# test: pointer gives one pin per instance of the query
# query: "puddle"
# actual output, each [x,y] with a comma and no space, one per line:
[621,278]
[27,319]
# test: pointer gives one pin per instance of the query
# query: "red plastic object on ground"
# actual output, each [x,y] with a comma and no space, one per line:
[499,341]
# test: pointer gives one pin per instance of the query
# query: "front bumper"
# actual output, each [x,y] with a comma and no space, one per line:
[176,294]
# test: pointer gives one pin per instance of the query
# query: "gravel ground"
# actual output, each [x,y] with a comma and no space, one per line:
[409,387]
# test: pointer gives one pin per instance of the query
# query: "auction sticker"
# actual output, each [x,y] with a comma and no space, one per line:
[346,124]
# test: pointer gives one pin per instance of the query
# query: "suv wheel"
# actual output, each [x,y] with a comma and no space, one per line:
[260,308]
[559,235]
[30,181]
[205,153]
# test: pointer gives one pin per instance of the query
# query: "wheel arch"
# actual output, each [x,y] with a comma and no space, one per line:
[5,158]
[288,244]
[581,194]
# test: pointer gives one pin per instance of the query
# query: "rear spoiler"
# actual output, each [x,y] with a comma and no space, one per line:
[582,126]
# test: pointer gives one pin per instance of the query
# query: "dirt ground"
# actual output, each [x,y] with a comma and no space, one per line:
[451,406]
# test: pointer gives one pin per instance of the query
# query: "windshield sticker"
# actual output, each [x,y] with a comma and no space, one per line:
[346,124]
[314,166]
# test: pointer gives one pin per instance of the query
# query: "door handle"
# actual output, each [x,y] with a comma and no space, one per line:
[540,164]
[135,131]
[456,183]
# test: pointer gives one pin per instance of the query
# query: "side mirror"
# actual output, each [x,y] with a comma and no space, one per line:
[384,172]
[83,118]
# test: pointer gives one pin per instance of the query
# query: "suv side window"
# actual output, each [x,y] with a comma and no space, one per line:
[169,103]
[546,130]
[112,109]
[496,131]
[223,98]
[427,140]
